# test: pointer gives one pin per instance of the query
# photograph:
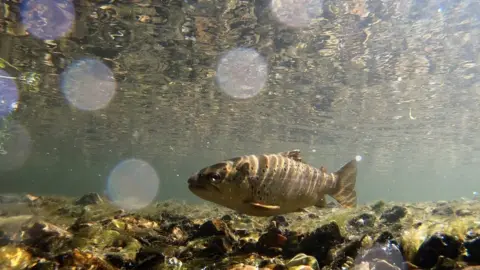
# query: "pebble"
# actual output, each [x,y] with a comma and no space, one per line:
[463,212]
[394,214]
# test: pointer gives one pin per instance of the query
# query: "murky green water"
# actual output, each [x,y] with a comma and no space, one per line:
[163,82]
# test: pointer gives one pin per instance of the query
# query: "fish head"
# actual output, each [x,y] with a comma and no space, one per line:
[210,181]
[221,183]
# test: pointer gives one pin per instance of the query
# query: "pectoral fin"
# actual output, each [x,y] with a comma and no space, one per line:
[265,206]
[322,202]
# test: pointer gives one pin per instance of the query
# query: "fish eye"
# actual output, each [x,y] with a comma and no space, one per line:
[215,177]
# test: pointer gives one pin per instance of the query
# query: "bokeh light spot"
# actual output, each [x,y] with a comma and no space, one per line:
[133,184]
[15,145]
[297,13]
[8,94]
[242,73]
[47,19]
[88,84]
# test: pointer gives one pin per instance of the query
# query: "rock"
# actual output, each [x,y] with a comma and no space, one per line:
[363,220]
[119,260]
[174,263]
[442,203]
[473,250]
[343,256]
[384,237]
[12,257]
[280,221]
[178,235]
[242,266]
[271,242]
[10,228]
[213,227]
[319,242]
[463,212]
[378,206]
[149,258]
[303,260]
[446,263]
[43,230]
[89,199]
[384,265]
[13,198]
[394,214]
[78,259]
[44,265]
[444,210]
[435,246]
[220,245]
[227,218]
[388,252]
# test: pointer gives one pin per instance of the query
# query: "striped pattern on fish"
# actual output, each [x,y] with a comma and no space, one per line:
[272,184]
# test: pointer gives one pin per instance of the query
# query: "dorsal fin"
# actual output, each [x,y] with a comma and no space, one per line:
[293,154]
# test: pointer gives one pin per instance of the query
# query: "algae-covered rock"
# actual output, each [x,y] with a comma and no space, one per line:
[104,237]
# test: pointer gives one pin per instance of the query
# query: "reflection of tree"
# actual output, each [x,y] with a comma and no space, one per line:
[350,78]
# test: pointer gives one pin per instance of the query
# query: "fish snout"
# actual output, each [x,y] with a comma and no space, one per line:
[193,180]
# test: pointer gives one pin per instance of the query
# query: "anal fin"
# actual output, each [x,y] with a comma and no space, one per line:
[265,206]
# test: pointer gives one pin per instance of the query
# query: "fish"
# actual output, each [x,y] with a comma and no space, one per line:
[273,184]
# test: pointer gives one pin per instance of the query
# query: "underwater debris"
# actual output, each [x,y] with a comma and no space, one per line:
[61,233]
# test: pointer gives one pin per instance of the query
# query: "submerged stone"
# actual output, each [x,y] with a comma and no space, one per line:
[320,242]
[435,246]
[394,214]
[90,198]
[362,221]
[103,238]
[473,251]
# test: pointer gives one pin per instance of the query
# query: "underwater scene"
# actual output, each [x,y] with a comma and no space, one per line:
[239,134]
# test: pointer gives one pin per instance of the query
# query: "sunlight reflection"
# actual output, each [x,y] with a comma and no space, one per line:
[133,184]
[8,94]
[297,13]
[15,145]
[47,19]
[88,84]
[242,73]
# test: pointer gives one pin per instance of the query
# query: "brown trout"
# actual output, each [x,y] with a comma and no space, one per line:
[273,184]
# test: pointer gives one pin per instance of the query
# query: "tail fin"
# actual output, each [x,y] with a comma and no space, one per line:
[344,192]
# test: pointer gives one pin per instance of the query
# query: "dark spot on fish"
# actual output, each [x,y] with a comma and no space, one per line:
[252,180]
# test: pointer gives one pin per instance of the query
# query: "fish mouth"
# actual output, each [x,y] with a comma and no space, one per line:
[195,185]
[202,188]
